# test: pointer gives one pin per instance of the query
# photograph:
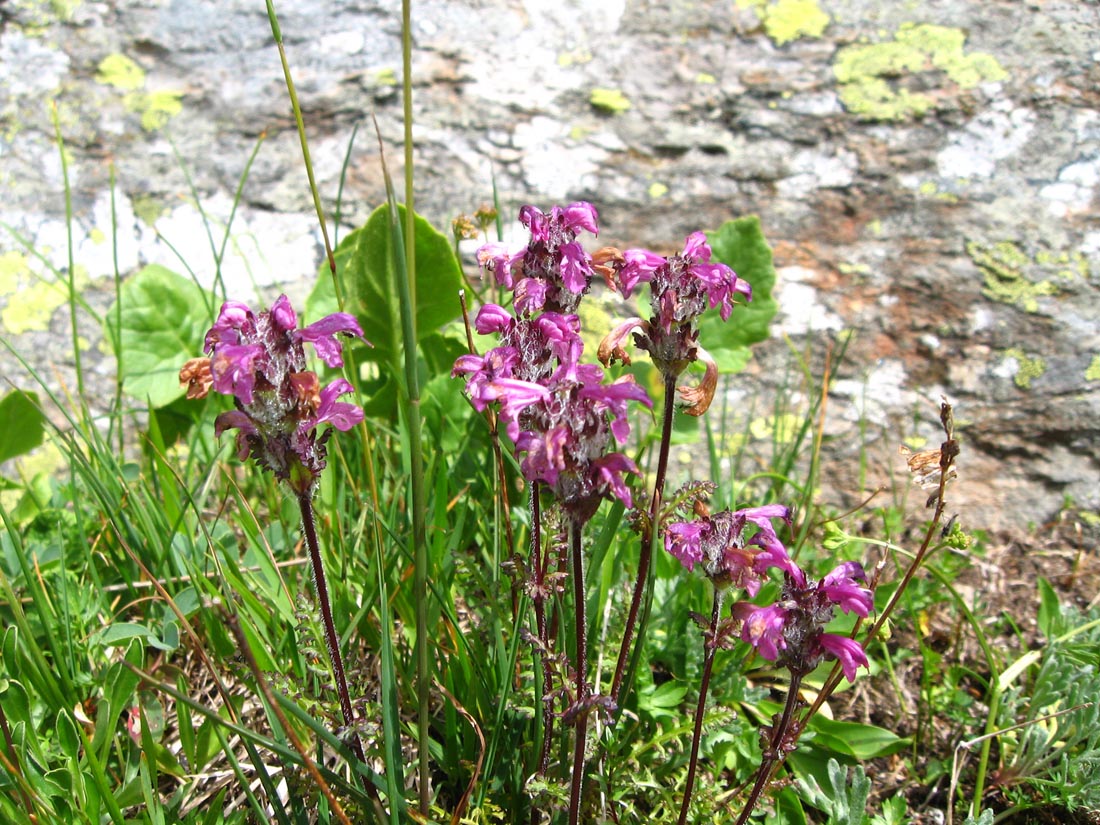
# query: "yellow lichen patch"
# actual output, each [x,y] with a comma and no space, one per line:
[1093,371]
[30,308]
[1013,277]
[787,20]
[155,108]
[612,101]
[872,76]
[657,190]
[704,78]
[121,72]
[13,265]
[1026,368]
[781,429]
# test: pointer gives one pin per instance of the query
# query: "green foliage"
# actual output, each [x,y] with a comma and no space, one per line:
[367,272]
[163,320]
[24,424]
[740,244]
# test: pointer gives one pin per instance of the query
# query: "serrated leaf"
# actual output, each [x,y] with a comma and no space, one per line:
[164,318]
[365,267]
[740,244]
[24,424]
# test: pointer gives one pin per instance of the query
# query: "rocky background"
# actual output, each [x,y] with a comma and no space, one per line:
[927,171]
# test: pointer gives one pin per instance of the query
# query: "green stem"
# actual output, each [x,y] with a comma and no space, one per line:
[71,261]
[276,32]
[649,538]
[710,647]
[419,504]
[581,667]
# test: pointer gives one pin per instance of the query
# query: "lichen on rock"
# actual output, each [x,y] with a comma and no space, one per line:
[872,76]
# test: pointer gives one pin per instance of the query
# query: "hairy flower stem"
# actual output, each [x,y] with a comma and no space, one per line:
[645,556]
[332,640]
[710,646]
[581,665]
[776,751]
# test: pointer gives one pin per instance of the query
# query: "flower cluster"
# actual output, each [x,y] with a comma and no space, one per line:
[559,412]
[789,632]
[681,288]
[259,359]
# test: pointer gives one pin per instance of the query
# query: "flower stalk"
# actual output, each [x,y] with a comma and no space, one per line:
[710,646]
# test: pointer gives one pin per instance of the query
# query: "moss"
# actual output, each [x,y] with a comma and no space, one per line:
[871,75]
[1026,368]
[611,101]
[1093,371]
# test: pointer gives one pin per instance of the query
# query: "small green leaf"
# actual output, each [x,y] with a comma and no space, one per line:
[67,736]
[1050,622]
[164,318]
[23,424]
[740,244]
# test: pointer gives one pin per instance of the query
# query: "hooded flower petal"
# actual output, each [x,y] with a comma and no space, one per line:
[843,589]
[700,396]
[846,651]
[322,334]
[493,318]
[611,347]
[609,471]
[234,369]
[580,215]
[576,268]
[683,540]
[340,414]
[762,627]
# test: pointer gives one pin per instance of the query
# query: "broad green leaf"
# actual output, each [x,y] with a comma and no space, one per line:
[856,739]
[121,632]
[365,267]
[23,424]
[740,244]
[164,318]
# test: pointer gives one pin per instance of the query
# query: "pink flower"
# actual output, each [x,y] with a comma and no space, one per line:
[762,627]
[683,540]
[322,334]
[842,588]
[846,651]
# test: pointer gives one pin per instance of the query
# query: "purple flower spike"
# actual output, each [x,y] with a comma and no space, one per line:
[259,359]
